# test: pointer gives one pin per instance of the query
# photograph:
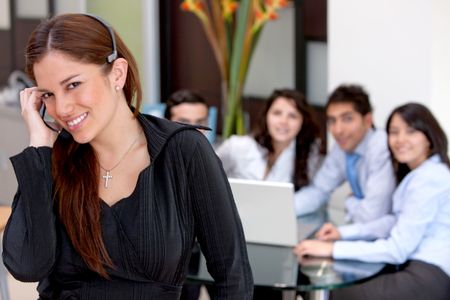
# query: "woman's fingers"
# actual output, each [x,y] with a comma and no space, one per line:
[328,232]
[40,134]
[314,248]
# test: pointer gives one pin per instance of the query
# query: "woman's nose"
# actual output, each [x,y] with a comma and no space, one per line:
[284,119]
[64,107]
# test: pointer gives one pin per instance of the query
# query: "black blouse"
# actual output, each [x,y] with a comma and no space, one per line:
[181,196]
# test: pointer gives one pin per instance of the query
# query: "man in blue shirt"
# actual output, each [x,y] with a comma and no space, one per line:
[360,156]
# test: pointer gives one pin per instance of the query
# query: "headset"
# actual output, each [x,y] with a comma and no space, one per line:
[113,56]
[109,59]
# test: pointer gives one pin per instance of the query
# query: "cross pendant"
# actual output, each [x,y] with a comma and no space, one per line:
[107,177]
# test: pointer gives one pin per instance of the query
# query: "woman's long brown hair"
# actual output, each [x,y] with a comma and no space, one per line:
[75,168]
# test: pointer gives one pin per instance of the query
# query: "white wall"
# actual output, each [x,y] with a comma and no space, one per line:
[70,6]
[440,56]
[5,20]
[272,65]
[399,50]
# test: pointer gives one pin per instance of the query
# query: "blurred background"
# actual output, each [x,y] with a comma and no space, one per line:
[398,50]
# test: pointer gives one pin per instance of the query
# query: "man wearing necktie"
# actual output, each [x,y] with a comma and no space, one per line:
[359,157]
[351,160]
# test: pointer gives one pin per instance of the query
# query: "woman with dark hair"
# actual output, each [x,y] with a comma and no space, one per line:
[110,201]
[284,147]
[417,235]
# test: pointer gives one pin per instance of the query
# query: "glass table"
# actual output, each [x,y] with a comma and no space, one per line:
[278,268]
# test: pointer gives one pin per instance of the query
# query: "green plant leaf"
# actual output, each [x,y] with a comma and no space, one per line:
[236,60]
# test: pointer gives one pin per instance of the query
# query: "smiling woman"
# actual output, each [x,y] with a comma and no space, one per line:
[285,146]
[112,207]
[418,228]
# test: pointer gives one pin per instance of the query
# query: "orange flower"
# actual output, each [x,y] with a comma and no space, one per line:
[259,15]
[227,35]
[194,6]
[282,3]
[275,4]
[229,7]
[272,15]
[185,6]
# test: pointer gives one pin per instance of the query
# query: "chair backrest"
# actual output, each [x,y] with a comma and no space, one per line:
[154,109]
[158,109]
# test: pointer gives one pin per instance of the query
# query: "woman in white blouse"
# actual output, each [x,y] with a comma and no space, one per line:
[417,234]
[284,147]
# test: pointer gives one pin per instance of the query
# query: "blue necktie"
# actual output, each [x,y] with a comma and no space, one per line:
[352,174]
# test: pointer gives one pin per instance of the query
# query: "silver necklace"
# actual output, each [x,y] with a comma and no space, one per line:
[108,175]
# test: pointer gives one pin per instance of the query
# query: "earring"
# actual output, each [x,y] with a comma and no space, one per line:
[117,88]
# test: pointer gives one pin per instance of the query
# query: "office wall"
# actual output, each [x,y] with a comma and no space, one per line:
[70,6]
[125,17]
[440,59]
[397,49]
[273,62]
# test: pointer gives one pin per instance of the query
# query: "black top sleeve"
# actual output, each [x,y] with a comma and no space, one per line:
[29,240]
[218,226]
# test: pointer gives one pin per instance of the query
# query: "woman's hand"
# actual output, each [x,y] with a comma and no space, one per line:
[40,134]
[314,248]
[328,232]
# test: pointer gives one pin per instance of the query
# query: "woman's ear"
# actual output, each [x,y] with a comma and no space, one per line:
[118,74]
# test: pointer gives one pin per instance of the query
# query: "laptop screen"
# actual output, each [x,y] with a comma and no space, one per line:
[266,210]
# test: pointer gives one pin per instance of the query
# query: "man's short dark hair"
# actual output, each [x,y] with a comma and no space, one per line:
[180,97]
[354,94]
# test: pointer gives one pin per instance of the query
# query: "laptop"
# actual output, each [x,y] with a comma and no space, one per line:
[267,212]
[271,230]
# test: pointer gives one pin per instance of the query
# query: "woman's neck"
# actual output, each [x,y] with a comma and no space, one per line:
[278,148]
[272,157]
[119,134]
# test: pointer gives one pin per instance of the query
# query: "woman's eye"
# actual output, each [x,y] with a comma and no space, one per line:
[276,112]
[46,96]
[411,130]
[293,116]
[73,85]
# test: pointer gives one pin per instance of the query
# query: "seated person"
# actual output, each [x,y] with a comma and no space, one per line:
[417,235]
[284,147]
[360,156]
[187,107]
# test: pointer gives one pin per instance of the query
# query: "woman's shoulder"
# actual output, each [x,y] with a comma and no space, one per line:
[435,168]
[432,172]
[189,137]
